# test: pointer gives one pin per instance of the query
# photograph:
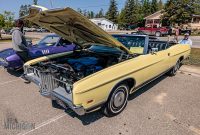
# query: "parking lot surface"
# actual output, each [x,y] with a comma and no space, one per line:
[169,105]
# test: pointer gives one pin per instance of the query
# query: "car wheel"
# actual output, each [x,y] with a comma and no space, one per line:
[158,34]
[174,70]
[117,101]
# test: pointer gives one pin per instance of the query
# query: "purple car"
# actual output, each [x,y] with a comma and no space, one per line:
[50,44]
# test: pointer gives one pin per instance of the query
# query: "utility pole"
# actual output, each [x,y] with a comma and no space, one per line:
[51,3]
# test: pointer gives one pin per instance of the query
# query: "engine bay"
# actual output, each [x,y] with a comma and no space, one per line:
[79,65]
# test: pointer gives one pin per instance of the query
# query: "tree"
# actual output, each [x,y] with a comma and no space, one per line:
[132,11]
[2,21]
[179,11]
[146,8]
[154,6]
[24,10]
[160,5]
[112,11]
[9,19]
[92,14]
[197,7]
[100,14]
[35,2]
[121,18]
[79,10]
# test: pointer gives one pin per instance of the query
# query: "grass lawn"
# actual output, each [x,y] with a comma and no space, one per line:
[194,57]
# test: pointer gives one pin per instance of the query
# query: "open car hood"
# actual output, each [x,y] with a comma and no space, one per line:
[72,26]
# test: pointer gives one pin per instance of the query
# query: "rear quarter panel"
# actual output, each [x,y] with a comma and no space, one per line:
[178,51]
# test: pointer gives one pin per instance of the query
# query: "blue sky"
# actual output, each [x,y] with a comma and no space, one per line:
[94,5]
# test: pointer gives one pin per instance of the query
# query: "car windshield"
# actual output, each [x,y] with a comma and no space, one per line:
[48,41]
[134,43]
[104,49]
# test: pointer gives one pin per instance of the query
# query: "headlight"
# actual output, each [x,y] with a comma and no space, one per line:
[68,88]
[4,62]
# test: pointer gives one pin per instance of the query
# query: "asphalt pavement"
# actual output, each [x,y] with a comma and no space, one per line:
[167,106]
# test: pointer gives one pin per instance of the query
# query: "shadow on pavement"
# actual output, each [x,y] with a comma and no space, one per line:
[146,87]
[15,73]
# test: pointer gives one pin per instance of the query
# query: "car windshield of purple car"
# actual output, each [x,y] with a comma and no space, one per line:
[50,40]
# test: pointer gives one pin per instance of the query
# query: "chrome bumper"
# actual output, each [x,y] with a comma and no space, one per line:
[62,96]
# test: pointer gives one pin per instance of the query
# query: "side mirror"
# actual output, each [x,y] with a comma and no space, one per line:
[29,42]
[154,50]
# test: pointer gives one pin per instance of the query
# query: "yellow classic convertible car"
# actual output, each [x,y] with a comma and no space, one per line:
[102,70]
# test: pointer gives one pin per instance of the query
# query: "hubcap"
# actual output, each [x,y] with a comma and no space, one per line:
[119,99]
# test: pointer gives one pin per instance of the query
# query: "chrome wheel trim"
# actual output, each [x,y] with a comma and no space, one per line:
[158,34]
[119,99]
[122,89]
[177,66]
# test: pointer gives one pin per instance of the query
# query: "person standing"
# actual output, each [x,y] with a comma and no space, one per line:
[186,40]
[0,34]
[19,42]
[177,32]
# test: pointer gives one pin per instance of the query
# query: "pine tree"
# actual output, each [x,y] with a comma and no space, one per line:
[100,14]
[132,11]
[24,10]
[160,5]
[197,6]
[35,2]
[112,11]
[154,6]
[121,18]
[146,8]
[179,11]
[92,14]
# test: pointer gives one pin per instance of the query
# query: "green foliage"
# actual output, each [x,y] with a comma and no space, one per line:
[112,13]
[179,11]
[9,19]
[133,11]
[160,5]
[24,10]
[197,7]
[100,14]
[35,2]
[121,19]
[154,6]
[146,7]
[2,21]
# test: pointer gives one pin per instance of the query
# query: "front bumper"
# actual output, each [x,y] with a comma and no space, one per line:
[60,95]
[31,77]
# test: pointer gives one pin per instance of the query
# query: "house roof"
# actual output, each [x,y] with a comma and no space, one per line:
[156,15]
[101,19]
[195,15]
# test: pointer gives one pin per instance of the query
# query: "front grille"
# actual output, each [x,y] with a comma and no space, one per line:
[48,84]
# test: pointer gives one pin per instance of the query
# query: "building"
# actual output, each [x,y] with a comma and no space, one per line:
[155,19]
[105,24]
[195,23]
